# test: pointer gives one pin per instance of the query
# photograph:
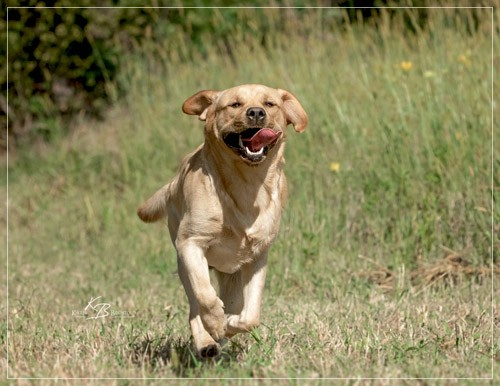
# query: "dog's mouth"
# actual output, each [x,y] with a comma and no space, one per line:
[252,144]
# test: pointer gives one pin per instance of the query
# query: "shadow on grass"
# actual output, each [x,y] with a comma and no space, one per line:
[178,354]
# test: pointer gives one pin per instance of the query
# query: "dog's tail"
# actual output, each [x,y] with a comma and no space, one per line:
[155,208]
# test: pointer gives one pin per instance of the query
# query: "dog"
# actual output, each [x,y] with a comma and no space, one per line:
[224,206]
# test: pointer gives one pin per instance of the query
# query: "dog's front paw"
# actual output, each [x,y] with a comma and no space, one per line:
[214,321]
[210,351]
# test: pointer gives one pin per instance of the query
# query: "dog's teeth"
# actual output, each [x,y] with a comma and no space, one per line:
[240,142]
[249,152]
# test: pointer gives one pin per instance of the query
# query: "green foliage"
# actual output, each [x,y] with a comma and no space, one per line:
[63,61]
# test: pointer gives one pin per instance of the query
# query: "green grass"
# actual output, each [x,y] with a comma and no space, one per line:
[353,289]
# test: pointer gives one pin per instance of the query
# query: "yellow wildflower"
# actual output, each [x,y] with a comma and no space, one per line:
[406,65]
[463,59]
[429,74]
[335,167]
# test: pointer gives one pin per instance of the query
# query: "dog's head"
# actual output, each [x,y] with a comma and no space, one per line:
[249,119]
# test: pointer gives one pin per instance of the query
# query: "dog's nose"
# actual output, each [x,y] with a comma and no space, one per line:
[256,114]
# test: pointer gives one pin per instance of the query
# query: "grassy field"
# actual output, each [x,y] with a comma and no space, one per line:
[383,266]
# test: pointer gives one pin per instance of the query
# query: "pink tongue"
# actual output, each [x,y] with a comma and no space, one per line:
[260,139]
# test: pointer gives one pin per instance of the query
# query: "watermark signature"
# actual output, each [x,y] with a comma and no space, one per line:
[96,309]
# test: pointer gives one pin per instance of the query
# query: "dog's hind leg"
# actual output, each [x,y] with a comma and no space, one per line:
[244,293]
[231,293]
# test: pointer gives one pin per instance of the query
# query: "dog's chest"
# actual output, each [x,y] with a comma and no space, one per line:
[243,241]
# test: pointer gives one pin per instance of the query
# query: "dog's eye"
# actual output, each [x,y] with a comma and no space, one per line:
[269,104]
[235,105]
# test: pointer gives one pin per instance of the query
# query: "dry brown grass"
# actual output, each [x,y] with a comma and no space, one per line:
[452,268]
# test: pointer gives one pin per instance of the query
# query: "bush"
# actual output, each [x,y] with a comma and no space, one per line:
[61,61]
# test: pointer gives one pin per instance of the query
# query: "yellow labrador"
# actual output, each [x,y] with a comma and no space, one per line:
[224,206]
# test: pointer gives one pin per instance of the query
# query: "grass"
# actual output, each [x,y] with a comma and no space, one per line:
[382,268]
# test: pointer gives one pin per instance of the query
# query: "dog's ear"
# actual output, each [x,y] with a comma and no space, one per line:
[199,103]
[294,111]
